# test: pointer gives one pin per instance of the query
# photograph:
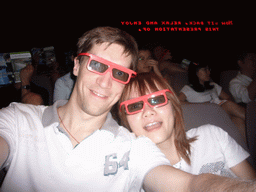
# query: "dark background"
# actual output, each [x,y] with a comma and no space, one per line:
[218,48]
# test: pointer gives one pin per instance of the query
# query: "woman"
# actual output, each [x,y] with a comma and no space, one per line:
[202,90]
[149,107]
[146,63]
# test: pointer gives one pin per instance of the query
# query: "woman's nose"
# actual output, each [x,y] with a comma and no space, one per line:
[148,111]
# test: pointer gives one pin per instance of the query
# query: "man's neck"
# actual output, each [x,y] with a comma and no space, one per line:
[78,123]
[247,73]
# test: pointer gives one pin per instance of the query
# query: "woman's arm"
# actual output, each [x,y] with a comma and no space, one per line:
[224,96]
[183,98]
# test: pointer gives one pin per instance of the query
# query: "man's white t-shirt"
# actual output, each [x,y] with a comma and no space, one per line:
[214,152]
[238,88]
[206,96]
[42,157]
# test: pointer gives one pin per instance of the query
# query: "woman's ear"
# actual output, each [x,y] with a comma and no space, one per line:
[76,66]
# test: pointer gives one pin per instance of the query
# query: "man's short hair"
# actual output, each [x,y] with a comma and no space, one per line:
[242,56]
[109,35]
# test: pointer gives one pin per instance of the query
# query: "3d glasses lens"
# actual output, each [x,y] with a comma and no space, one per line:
[102,68]
[120,75]
[156,100]
[97,66]
[135,106]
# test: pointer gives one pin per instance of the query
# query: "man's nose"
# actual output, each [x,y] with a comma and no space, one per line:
[105,81]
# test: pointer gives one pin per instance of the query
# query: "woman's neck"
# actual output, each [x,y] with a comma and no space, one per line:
[169,149]
[201,82]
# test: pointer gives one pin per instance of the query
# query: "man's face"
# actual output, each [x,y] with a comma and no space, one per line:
[96,94]
[250,61]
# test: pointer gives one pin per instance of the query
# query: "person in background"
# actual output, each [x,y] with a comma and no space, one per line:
[165,59]
[149,107]
[25,92]
[146,63]
[202,90]
[28,96]
[243,86]
[63,87]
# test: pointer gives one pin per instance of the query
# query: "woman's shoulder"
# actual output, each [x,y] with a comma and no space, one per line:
[214,84]
[187,88]
[206,131]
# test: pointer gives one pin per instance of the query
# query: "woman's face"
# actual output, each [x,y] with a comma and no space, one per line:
[155,123]
[144,56]
[203,74]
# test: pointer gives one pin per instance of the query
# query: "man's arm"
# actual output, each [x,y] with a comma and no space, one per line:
[166,178]
[212,183]
[244,171]
[4,151]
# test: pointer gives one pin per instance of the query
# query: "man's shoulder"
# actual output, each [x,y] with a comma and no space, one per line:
[237,78]
[125,133]
[240,78]
[24,108]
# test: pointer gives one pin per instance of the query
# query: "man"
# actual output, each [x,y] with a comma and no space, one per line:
[75,145]
[243,86]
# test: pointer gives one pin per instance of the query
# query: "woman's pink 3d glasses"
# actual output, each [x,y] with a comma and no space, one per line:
[156,99]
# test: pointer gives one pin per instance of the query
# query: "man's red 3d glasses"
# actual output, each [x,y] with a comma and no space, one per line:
[101,66]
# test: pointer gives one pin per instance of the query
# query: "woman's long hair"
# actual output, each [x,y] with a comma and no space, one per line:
[150,82]
[194,80]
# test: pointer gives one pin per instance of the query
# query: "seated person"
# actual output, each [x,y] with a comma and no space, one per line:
[243,86]
[63,87]
[202,90]
[165,59]
[146,63]
[149,107]
[25,92]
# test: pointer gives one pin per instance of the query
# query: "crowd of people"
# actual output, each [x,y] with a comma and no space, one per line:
[77,145]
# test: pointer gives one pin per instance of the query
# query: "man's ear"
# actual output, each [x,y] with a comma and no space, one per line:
[76,66]
[240,63]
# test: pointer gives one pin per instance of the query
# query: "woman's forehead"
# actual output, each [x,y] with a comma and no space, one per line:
[137,91]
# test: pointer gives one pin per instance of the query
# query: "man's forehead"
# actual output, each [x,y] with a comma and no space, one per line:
[112,52]
[114,48]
